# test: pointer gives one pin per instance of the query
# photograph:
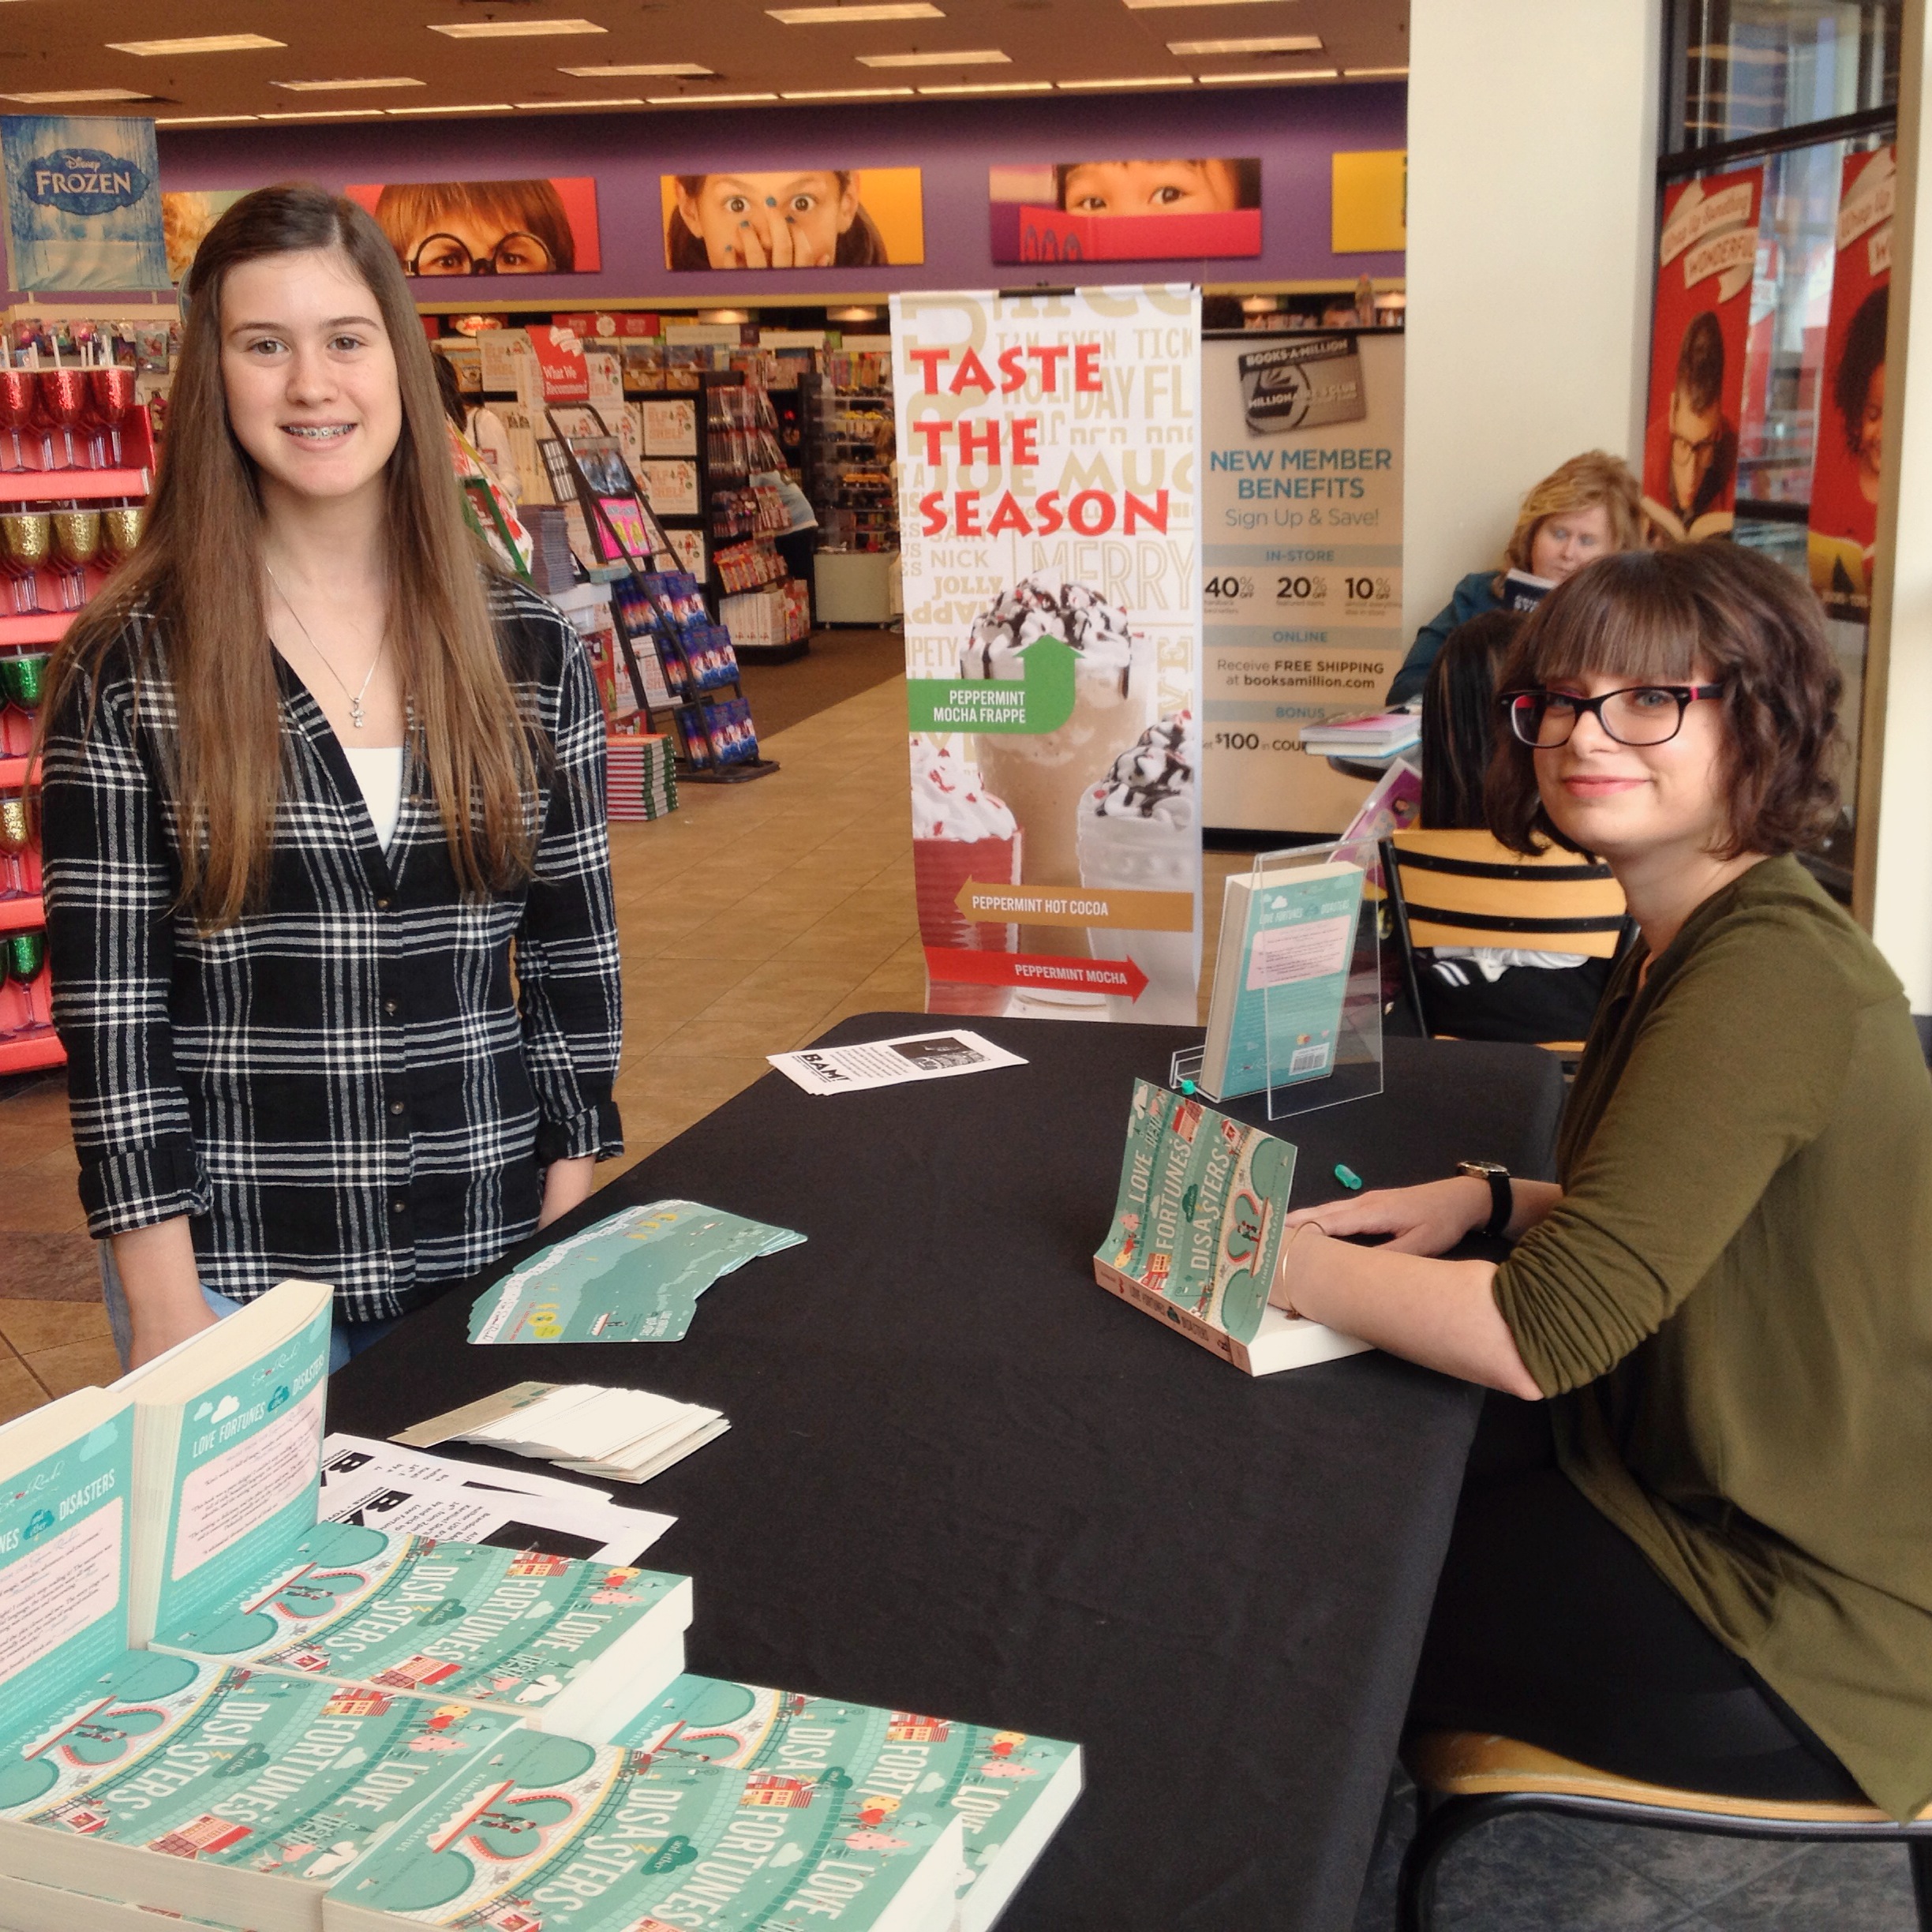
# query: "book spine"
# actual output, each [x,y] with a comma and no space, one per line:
[1139,1295]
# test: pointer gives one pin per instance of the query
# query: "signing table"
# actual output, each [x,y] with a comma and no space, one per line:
[963,1479]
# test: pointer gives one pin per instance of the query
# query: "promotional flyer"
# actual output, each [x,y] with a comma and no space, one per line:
[1846,462]
[1706,260]
[1302,516]
[1048,448]
[83,203]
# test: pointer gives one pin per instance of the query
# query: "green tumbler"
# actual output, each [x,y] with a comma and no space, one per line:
[23,678]
[26,952]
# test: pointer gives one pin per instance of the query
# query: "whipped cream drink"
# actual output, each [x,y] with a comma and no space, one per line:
[1138,830]
[960,831]
[1043,775]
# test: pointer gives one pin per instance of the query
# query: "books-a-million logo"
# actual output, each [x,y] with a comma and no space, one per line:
[85,181]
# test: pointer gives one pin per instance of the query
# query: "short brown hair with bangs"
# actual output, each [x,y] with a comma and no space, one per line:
[1707,613]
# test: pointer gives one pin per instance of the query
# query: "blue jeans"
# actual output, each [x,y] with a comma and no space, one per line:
[346,1339]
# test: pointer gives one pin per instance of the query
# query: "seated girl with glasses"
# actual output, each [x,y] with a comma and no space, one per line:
[1697,1550]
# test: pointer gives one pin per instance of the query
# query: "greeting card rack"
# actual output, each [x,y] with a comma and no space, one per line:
[625,531]
[63,530]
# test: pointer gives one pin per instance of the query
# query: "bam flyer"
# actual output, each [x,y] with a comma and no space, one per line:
[1303,555]
[1048,469]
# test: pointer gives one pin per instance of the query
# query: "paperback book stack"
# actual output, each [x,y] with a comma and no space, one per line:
[1374,734]
[1198,1232]
[213,1707]
[640,776]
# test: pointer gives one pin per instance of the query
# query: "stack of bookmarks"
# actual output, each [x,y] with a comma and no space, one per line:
[1198,1232]
[213,1706]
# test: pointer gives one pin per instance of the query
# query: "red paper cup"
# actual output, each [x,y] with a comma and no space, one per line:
[941,867]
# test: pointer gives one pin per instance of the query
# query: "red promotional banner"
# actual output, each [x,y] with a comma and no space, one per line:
[1121,978]
[1704,263]
[1845,466]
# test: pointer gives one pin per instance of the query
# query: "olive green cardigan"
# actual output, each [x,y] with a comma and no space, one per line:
[1732,1306]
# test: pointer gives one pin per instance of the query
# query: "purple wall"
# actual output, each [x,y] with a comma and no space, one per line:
[1293,130]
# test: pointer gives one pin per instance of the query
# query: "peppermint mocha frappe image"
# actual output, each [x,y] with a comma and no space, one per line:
[1138,830]
[960,832]
[1042,776]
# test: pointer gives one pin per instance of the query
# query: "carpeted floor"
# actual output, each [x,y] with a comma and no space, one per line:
[840,664]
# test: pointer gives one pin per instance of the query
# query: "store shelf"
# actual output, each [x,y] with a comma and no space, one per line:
[25,914]
[38,1046]
[34,628]
[72,485]
[13,773]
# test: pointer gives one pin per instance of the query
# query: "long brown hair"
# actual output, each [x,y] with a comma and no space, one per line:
[198,575]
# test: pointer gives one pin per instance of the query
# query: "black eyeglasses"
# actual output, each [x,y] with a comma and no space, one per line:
[1638,714]
[517,253]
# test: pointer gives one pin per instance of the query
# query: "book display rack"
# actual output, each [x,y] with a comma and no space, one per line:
[76,462]
[690,671]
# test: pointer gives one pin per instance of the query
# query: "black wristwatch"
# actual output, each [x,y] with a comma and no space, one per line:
[1502,1201]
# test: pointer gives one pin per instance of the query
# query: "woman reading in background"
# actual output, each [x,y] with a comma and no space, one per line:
[311,770]
[1698,1550]
[1589,507]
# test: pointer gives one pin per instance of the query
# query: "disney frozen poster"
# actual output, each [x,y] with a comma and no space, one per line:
[83,203]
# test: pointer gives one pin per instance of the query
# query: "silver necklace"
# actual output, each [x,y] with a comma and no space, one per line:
[356,716]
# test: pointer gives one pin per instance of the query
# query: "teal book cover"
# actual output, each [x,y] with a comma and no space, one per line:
[512,1628]
[900,1763]
[606,1839]
[248,1471]
[64,1569]
[1153,1106]
[635,1276]
[238,1768]
[1295,960]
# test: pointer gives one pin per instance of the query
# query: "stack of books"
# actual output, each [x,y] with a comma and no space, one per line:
[640,776]
[215,1706]
[1374,734]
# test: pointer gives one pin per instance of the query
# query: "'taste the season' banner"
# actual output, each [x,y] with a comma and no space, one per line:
[1048,462]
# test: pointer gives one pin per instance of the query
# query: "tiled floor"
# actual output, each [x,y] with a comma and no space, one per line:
[752,919]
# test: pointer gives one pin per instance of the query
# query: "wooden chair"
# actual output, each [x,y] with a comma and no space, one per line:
[1464,1779]
[1463,888]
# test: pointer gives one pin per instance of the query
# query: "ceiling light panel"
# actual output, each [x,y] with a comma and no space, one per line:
[515,29]
[836,16]
[662,70]
[634,100]
[48,98]
[705,100]
[343,87]
[1376,73]
[971,57]
[1254,74]
[993,87]
[324,113]
[468,107]
[897,93]
[1145,81]
[1143,6]
[1265,43]
[205,120]
[200,43]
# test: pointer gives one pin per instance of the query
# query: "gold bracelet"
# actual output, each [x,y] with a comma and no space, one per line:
[1289,1308]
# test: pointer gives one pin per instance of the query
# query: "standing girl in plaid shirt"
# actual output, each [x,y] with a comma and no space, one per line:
[328,887]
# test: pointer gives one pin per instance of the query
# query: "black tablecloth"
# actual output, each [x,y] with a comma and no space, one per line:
[962,1478]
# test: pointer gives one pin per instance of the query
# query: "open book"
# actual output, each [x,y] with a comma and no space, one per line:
[1197,1231]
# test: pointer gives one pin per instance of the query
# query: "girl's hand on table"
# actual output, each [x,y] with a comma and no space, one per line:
[1426,1220]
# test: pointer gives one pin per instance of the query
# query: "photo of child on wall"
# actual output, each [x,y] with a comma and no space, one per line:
[794,218]
[535,227]
[1126,211]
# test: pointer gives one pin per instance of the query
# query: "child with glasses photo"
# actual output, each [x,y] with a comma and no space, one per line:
[1695,1543]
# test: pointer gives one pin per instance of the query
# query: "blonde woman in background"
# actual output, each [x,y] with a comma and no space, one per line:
[1588,507]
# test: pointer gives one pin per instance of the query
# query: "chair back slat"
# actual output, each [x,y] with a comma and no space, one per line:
[1464,889]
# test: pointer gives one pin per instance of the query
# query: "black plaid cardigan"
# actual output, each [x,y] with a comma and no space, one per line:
[345,1085]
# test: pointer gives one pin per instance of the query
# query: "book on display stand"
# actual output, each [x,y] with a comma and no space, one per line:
[710,717]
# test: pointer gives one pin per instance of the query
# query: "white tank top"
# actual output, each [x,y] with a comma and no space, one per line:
[379,774]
